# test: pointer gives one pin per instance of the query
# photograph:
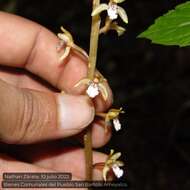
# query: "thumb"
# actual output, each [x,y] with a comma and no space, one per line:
[28,116]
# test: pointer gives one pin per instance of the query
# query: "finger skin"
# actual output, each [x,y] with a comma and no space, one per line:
[9,165]
[28,116]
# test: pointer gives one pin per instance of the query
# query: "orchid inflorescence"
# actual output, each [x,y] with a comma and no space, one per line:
[113,10]
[95,83]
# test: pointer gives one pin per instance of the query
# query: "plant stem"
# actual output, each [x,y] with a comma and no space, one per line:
[91,71]
[94,42]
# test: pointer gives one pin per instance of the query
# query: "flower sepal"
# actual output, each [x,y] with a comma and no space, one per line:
[109,25]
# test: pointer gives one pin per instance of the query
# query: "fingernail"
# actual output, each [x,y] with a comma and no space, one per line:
[74,112]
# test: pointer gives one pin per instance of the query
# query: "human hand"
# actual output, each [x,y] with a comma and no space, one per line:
[32,110]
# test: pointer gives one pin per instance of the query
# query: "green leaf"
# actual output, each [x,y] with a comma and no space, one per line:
[173,28]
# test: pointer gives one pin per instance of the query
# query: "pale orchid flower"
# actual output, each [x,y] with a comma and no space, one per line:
[113,115]
[67,42]
[113,10]
[94,87]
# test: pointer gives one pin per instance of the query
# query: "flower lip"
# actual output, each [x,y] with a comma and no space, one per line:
[117,124]
[92,90]
[112,11]
[117,171]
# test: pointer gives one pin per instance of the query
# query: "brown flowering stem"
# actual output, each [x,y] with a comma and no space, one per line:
[91,70]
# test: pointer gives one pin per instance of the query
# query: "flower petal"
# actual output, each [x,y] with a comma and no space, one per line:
[119,163]
[67,33]
[99,9]
[116,156]
[103,91]
[110,155]
[66,53]
[118,1]
[123,14]
[111,152]
[120,30]
[85,81]
[117,124]
[105,172]
[121,110]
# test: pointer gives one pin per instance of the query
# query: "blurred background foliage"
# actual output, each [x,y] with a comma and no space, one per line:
[150,81]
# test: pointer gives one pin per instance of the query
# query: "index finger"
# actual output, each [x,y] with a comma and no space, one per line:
[28,45]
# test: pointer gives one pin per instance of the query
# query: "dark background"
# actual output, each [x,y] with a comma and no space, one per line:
[150,81]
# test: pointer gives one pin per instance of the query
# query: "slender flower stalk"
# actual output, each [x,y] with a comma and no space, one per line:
[91,71]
